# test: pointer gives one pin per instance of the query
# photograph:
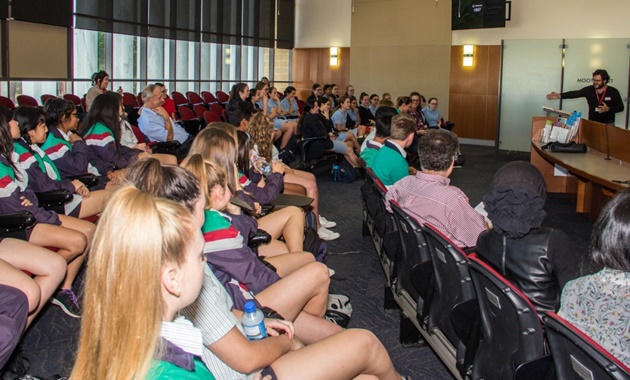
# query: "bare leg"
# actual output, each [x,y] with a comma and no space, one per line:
[9,275]
[363,355]
[165,159]
[361,130]
[48,268]
[287,222]
[290,262]
[306,290]
[311,329]
[309,182]
[288,130]
[274,248]
[95,203]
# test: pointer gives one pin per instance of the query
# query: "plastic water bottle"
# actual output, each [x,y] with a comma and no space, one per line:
[254,322]
[335,172]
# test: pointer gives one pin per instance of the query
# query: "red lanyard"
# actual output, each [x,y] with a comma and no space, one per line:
[601,99]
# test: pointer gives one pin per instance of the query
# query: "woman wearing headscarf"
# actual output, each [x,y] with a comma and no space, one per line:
[537,260]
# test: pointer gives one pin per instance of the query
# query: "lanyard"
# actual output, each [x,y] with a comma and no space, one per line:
[601,99]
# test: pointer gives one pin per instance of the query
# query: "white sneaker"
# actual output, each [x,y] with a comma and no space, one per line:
[326,234]
[326,223]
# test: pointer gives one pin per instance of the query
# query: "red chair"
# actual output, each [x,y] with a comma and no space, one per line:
[178,98]
[300,103]
[25,100]
[224,115]
[222,97]
[185,113]
[211,117]
[208,97]
[199,110]
[194,98]
[83,104]
[216,108]
[139,99]
[6,102]
[157,147]
[73,98]
[130,99]
[575,353]
[45,98]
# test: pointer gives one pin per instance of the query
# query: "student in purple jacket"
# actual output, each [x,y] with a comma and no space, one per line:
[71,235]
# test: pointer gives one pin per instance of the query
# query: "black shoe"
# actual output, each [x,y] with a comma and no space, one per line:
[68,302]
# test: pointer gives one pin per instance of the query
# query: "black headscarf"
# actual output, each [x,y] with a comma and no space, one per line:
[516,199]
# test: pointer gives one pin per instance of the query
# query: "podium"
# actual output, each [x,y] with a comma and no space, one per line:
[590,176]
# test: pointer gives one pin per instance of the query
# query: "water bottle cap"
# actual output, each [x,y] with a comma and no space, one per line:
[250,307]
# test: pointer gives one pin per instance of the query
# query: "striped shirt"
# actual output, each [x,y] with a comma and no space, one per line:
[430,199]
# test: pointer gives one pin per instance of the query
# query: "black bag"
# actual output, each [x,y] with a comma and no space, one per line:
[347,174]
[314,244]
[571,147]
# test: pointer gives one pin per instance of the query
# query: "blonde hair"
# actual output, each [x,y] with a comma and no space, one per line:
[208,173]
[123,305]
[261,131]
[216,145]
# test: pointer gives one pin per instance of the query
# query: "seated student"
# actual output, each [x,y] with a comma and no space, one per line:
[317,93]
[217,145]
[156,260]
[63,145]
[47,270]
[156,123]
[389,162]
[415,110]
[432,114]
[538,260]
[263,150]
[599,304]
[386,96]
[100,82]
[284,128]
[72,236]
[328,95]
[316,123]
[429,198]
[354,121]
[374,141]
[13,313]
[365,114]
[101,131]
[43,175]
[349,91]
[404,103]
[339,121]
[374,99]
[280,355]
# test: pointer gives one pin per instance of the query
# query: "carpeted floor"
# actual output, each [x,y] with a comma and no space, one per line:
[51,342]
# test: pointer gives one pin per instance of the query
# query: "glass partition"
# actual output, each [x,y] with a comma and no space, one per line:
[531,69]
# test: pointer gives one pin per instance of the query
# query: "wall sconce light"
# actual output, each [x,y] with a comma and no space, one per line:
[468,55]
[334,56]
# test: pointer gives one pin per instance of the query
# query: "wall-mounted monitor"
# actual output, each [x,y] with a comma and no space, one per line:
[478,14]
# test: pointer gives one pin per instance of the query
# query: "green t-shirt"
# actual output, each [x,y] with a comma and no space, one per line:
[168,371]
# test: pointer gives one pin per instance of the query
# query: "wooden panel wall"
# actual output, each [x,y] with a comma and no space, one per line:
[474,92]
[312,66]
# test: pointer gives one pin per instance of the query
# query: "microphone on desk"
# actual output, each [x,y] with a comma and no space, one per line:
[607,146]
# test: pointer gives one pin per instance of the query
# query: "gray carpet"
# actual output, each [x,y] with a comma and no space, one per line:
[51,342]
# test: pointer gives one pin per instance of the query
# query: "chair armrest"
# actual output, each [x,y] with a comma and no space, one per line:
[261,237]
[17,221]
[89,180]
[164,146]
[53,199]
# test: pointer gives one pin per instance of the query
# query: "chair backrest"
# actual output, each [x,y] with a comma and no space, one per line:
[130,99]
[45,97]
[511,328]
[222,96]
[139,99]
[224,115]
[83,104]
[178,98]
[453,285]
[185,113]
[199,110]
[194,98]
[300,104]
[6,102]
[208,97]
[216,108]
[25,100]
[142,138]
[73,98]
[382,189]
[415,273]
[211,117]
[577,356]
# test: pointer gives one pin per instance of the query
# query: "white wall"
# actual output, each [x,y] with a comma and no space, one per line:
[322,23]
[544,19]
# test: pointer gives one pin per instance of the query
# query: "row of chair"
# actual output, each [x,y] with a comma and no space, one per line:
[479,324]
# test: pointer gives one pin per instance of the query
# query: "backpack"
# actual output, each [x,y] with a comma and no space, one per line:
[346,174]
[314,244]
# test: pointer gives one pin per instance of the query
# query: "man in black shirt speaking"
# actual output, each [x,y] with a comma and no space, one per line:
[603,100]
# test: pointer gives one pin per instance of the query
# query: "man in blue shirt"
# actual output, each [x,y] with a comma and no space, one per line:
[156,123]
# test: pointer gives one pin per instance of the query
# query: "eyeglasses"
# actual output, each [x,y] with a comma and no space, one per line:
[433,104]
